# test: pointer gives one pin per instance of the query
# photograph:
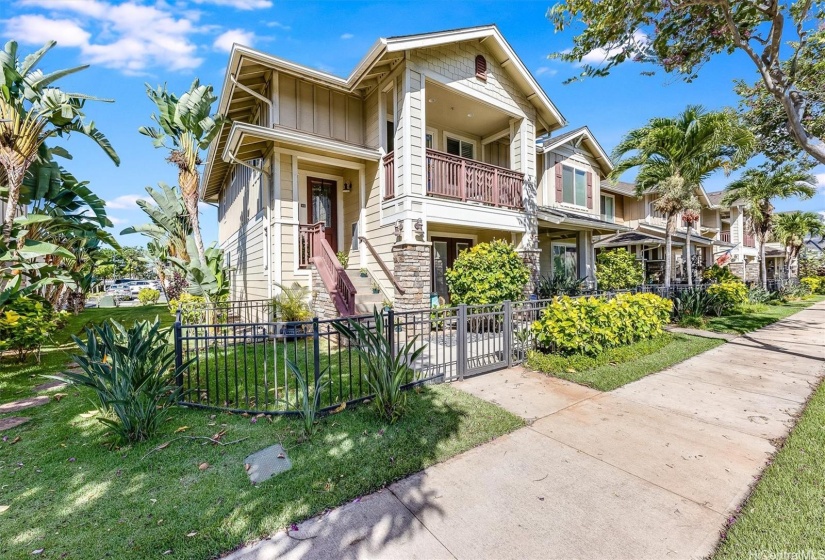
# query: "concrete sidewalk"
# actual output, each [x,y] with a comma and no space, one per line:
[650,470]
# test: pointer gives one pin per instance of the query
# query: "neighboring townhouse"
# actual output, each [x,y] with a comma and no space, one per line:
[720,236]
[435,142]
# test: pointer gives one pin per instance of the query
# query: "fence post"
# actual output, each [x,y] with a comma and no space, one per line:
[508,332]
[316,351]
[461,342]
[391,331]
[178,333]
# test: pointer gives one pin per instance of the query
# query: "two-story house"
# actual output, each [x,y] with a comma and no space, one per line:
[434,142]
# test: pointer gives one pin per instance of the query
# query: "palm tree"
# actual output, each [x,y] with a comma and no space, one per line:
[791,229]
[674,156]
[755,190]
[190,127]
[31,112]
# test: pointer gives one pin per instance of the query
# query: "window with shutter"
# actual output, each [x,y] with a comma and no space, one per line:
[574,186]
[481,68]
[461,148]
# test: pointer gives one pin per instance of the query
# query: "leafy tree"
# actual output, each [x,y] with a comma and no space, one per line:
[189,126]
[682,36]
[674,155]
[618,270]
[487,273]
[30,113]
[756,189]
[791,229]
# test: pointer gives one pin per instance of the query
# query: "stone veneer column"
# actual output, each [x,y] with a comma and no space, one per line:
[531,259]
[322,305]
[411,268]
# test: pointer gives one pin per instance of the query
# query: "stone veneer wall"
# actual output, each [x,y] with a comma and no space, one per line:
[322,305]
[749,272]
[412,271]
[531,259]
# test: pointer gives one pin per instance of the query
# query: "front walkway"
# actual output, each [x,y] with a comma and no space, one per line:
[650,470]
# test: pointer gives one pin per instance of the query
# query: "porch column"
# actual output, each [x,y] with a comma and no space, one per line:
[412,270]
[531,258]
[585,256]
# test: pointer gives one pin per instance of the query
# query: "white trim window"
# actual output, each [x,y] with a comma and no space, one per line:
[564,259]
[607,203]
[574,186]
[460,146]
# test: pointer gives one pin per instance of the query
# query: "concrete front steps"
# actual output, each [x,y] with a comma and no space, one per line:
[365,300]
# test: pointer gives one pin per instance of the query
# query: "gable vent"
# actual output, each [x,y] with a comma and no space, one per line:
[481,68]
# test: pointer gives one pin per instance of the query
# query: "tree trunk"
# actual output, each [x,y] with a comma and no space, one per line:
[14,174]
[669,229]
[189,189]
[763,266]
[688,258]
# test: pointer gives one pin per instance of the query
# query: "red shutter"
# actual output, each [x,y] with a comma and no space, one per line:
[589,190]
[559,195]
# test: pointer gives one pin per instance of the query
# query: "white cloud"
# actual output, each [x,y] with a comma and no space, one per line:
[820,181]
[546,71]
[600,55]
[37,29]
[124,202]
[129,36]
[224,41]
[239,4]
[117,221]
[279,25]
[346,36]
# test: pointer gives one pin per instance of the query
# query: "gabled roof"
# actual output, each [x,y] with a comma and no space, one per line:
[619,187]
[576,137]
[248,70]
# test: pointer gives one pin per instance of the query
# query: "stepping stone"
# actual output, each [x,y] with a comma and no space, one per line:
[54,384]
[12,422]
[14,406]
[266,463]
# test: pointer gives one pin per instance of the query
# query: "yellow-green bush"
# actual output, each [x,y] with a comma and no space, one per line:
[816,284]
[148,296]
[727,295]
[487,273]
[591,325]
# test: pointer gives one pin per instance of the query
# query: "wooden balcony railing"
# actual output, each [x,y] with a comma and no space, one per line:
[748,240]
[315,249]
[389,175]
[464,179]
[724,236]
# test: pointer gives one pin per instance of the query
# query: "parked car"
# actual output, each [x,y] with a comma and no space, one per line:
[137,285]
[119,291]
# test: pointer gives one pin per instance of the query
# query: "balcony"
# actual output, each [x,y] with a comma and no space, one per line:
[724,236]
[749,241]
[457,178]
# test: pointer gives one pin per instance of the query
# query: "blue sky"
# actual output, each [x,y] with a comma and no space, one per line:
[129,43]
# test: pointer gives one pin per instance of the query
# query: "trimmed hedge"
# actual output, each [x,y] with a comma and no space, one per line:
[487,273]
[590,325]
[727,295]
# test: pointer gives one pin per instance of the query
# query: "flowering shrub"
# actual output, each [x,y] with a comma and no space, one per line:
[727,295]
[26,324]
[591,325]
[487,273]
[816,284]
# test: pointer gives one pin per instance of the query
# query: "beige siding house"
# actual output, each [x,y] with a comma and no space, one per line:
[433,143]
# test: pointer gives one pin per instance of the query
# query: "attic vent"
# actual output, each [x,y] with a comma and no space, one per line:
[481,68]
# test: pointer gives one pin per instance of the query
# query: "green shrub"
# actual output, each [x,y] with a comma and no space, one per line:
[343,258]
[693,302]
[310,398]
[148,296]
[133,373]
[816,284]
[618,270]
[386,370]
[727,295]
[191,307]
[758,294]
[549,286]
[291,304]
[719,274]
[591,325]
[487,273]
[26,324]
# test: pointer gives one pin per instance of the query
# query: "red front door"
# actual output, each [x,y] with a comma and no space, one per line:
[322,207]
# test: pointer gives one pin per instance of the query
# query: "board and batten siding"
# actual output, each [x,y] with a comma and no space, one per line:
[578,159]
[319,110]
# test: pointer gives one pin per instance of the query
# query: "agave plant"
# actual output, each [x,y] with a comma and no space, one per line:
[387,370]
[133,373]
[310,399]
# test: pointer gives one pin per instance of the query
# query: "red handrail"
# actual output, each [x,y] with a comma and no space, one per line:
[335,279]
[306,242]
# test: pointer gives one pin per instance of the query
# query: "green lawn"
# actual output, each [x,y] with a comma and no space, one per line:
[786,512]
[761,316]
[618,366]
[71,495]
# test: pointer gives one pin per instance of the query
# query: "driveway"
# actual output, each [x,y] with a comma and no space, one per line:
[650,470]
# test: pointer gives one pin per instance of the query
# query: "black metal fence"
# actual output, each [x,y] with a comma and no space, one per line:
[239,350]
